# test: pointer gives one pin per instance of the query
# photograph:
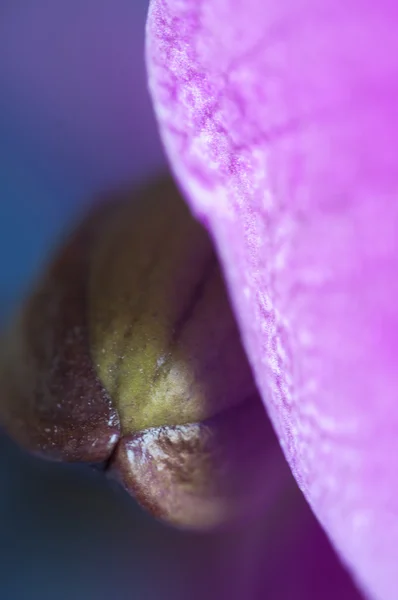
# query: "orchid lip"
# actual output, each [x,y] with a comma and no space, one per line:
[87,380]
[201,476]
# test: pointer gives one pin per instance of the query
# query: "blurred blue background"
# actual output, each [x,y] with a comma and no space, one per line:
[75,119]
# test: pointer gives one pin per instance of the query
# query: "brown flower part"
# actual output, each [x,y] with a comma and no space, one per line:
[52,401]
[204,475]
[127,353]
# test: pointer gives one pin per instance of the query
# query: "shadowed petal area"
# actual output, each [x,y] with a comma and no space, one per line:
[280,120]
[207,475]
[67,535]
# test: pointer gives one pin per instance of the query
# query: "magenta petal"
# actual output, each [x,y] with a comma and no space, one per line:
[281,121]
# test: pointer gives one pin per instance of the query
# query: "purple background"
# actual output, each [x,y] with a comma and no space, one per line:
[75,118]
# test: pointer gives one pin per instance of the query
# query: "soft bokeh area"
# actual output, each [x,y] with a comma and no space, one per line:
[75,118]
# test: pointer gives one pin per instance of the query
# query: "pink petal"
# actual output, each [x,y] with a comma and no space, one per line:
[281,121]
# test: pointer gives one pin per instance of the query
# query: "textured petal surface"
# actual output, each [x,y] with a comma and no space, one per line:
[281,122]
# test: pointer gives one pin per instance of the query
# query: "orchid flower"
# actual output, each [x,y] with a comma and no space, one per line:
[276,161]
[280,120]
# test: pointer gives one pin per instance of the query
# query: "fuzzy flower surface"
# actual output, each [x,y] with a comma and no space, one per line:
[281,123]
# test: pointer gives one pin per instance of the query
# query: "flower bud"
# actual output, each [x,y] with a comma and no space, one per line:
[127,353]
